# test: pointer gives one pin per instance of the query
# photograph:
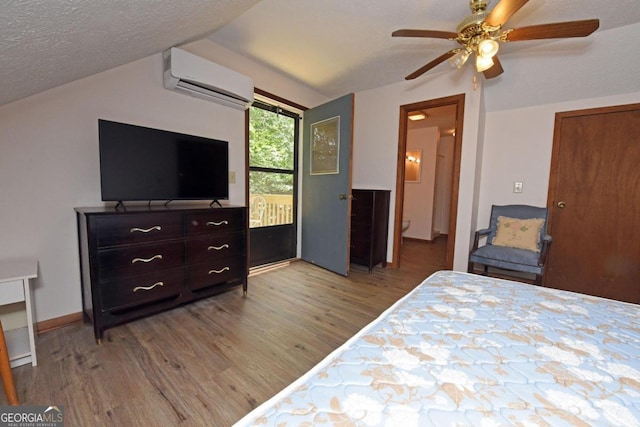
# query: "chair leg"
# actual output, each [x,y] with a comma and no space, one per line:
[485,270]
[539,279]
[5,371]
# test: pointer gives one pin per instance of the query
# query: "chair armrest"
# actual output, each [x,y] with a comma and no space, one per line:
[546,241]
[479,233]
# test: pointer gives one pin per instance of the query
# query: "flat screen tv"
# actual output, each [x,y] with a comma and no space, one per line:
[144,164]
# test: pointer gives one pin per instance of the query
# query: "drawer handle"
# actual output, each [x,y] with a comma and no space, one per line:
[147,288]
[215,224]
[218,271]
[133,261]
[145,230]
[218,248]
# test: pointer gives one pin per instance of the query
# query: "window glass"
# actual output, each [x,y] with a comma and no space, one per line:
[271,139]
[271,198]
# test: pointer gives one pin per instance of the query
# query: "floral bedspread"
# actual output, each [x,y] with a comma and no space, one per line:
[462,349]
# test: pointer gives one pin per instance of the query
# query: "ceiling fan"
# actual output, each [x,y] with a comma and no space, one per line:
[481,33]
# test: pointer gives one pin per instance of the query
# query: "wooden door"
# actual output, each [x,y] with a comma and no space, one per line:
[594,196]
[326,184]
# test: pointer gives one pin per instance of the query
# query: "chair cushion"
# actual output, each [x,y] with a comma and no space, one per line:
[507,258]
[518,233]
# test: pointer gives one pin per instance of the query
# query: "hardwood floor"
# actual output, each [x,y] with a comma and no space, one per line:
[211,362]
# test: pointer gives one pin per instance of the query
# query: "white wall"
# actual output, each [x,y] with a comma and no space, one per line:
[375,150]
[49,152]
[444,182]
[49,160]
[518,148]
[50,164]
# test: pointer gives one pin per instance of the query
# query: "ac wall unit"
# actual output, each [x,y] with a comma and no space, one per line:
[193,75]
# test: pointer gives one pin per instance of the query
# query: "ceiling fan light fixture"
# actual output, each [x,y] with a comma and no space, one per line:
[460,58]
[482,32]
[488,48]
[483,63]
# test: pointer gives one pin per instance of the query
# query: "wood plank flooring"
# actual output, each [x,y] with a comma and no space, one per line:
[211,362]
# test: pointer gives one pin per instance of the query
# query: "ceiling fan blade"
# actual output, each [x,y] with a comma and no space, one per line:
[554,31]
[495,70]
[430,65]
[503,11]
[425,33]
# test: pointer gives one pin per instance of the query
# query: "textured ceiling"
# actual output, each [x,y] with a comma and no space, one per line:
[46,43]
[332,46]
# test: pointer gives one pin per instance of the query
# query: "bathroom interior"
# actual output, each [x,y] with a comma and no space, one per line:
[428,175]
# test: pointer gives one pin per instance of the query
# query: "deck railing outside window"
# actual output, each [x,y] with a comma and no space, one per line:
[270,209]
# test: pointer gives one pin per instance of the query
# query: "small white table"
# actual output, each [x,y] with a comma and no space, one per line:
[14,287]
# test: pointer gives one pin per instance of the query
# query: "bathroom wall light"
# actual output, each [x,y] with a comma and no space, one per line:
[412,166]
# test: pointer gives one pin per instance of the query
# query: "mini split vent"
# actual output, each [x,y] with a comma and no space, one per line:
[192,75]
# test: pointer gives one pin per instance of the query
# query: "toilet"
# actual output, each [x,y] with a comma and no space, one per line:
[405,225]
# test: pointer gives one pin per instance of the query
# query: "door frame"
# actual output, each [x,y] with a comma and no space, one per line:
[275,243]
[458,101]
[269,97]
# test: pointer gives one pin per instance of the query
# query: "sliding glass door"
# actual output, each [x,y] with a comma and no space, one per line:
[273,165]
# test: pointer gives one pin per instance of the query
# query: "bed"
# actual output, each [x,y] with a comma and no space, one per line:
[462,349]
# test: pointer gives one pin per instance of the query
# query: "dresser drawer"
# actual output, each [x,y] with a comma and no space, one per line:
[125,229]
[361,206]
[136,261]
[134,291]
[139,259]
[215,221]
[211,247]
[361,212]
[360,249]
[361,230]
[216,272]
[362,197]
[361,215]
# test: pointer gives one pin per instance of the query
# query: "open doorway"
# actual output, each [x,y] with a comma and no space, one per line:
[447,117]
[273,170]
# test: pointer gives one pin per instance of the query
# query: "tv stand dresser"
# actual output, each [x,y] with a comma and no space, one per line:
[139,261]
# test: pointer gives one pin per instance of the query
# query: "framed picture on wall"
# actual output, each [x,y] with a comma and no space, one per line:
[325,146]
[412,166]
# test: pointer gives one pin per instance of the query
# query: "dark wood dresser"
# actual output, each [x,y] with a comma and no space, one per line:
[369,227]
[140,261]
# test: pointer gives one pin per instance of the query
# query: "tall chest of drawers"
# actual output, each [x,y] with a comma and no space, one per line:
[138,262]
[369,227]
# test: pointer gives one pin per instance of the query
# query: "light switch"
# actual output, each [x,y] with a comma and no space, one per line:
[517,187]
[232,177]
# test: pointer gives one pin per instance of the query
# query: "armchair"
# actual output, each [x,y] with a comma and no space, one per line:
[517,240]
